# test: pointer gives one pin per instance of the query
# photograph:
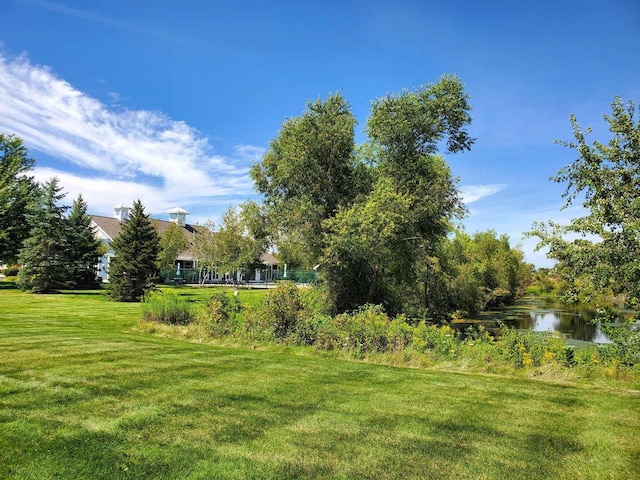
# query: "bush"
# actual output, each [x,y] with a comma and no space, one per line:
[624,346]
[363,331]
[11,271]
[526,349]
[283,309]
[443,341]
[167,308]
[220,316]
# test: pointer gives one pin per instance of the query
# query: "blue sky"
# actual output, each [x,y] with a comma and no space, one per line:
[171,102]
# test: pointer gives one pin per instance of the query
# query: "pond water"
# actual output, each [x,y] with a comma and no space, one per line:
[573,322]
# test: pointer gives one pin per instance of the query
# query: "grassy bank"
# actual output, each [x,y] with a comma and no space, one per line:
[84,395]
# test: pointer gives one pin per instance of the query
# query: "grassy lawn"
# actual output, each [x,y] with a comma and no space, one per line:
[85,395]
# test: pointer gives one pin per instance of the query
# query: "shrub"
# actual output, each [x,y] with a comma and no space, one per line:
[283,309]
[220,316]
[442,341]
[526,349]
[11,271]
[363,331]
[167,307]
[399,333]
[625,344]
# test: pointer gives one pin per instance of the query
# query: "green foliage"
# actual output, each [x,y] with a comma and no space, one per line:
[168,308]
[84,248]
[363,331]
[220,316]
[11,271]
[368,216]
[229,248]
[283,309]
[625,343]
[367,248]
[45,255]
[306,174]
[172,243]
[485,271]
[604,260]
[527,349]
[134,266]
[442,341]
[18,194]
[412,124]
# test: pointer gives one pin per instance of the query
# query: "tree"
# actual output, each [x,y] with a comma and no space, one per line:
[230,248]
[44,257]
[368,215]
[307,173]
[484,270]
[605,258]
[136,254]
[172,243]
[18,193]
[412,202]
[84,248]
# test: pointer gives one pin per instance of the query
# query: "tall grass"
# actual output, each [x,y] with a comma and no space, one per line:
[169,308]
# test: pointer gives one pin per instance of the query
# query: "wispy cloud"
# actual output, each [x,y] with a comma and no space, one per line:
[102,19]
[121,153]
[473,193]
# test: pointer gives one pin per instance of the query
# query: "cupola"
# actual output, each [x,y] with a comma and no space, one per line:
[178,215]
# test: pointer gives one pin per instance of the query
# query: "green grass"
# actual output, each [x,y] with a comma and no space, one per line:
[85,395]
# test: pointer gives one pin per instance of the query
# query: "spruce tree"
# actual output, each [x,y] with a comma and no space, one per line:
[44,256]
[84,248]
[136,252]
[18,193]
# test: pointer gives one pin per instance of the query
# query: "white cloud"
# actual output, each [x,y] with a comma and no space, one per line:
[473,193]
[128,154]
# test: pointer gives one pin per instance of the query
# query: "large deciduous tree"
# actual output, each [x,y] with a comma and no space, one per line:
[370,215]
[413,200]
[18,192]
[306,174]
[605,178]
[45,255]
[136,254]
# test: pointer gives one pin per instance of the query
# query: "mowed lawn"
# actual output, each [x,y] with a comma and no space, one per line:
[84,395]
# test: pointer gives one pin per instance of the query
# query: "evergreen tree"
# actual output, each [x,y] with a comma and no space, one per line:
[84,247]
[18,193]
[136,255]
[44,256]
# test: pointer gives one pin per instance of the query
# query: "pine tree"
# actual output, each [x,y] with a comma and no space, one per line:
[136,253]
[18,193]
[44,256]
[84,248]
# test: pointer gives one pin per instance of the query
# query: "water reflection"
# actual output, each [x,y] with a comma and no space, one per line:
[573,322]
[577,324]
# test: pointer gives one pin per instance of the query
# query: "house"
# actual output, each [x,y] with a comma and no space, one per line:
[108,228]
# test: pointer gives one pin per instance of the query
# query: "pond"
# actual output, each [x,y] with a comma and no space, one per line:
[573,322]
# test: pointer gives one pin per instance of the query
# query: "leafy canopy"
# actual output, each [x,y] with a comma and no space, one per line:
[605,177]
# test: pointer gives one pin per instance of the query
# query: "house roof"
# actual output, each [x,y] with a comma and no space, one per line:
[178,210]
[111,227]
[268,259]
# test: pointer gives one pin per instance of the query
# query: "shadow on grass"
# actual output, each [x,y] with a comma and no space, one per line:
[8,286]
